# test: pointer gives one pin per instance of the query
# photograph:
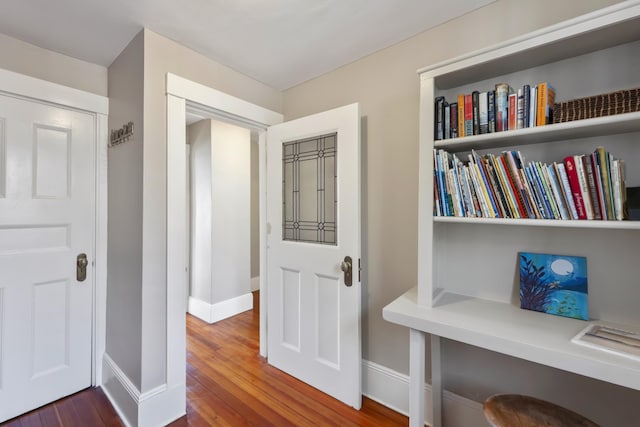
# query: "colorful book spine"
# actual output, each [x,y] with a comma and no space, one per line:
[468,115]
[483,112]
[461,131]
[543,208]
[545,100]
[526,105]
[574,183]
[564,180]
[502,106]
[506,186]
[584,187]
[557,193]
[447,121]
[475,105]
[491,110]
[605,175]
[513,111]
[532,106]
[453,119]
[591,185]
[520,109]
[439,118]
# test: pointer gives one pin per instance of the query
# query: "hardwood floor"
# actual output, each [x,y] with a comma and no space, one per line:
[228,384]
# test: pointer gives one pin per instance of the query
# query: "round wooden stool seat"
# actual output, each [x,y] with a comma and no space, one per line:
[514,410]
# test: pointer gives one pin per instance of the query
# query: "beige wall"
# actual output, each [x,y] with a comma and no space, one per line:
[124,274]
[161,56]
[387,88]
[25,58]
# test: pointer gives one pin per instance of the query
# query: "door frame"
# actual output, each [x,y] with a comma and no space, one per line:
[183,94]
[56,95]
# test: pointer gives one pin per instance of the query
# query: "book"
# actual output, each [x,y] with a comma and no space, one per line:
[584,188]
[483,106]
[447,121]
[591,185]
[564,180]
[439,118]
[511,175]
[492,173]
[543,175]
[453,119]
[532,106]
[520,109]
[615,339]
[545,99]
[543,207]
[491,191]
[574,183]
[502,106]
[557,194]
[605,178]
[491,110]
[475,105]
[461,130]
[597,178]
[468,115]
[526,105]
[512,111]
[537,179]
[506,186]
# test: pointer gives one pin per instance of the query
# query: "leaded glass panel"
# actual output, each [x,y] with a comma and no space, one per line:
[309,172]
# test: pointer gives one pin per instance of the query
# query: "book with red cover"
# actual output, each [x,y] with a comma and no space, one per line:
[513,111]
[574,183]
[468,115]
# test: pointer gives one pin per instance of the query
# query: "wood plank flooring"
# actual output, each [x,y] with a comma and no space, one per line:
[228,384]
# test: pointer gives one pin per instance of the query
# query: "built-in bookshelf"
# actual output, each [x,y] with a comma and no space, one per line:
[468,284]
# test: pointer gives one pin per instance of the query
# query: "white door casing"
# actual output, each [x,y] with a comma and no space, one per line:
[313,317]
[47,205]
[183,94]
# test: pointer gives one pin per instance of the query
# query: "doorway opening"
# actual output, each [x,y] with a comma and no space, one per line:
[223,217]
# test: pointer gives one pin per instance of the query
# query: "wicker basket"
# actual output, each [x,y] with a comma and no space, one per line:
[608,104]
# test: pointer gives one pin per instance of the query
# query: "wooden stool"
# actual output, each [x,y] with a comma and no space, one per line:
[513,410]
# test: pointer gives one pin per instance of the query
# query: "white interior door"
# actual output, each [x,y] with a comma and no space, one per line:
[46,220]
[313,212]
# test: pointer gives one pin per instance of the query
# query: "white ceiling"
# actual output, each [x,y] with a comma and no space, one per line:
[279,42]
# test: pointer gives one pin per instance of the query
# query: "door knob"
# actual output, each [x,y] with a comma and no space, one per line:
[81,267]
[347,268]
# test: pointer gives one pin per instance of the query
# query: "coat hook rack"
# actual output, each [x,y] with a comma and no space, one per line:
[118,136]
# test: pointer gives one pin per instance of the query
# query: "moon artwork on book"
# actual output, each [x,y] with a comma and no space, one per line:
[554,284]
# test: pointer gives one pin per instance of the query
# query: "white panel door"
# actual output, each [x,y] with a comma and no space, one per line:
[46,220]
[313,211]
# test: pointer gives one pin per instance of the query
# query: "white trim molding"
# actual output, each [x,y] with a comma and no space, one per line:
[152,408]
[391,389]
[212,313]
[54,93]
[183,94]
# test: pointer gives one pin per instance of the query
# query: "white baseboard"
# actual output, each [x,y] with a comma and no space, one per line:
[391,389]
[212,313]
[156,407]
[255,283]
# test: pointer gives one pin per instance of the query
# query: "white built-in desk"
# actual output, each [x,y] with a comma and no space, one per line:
[499,327]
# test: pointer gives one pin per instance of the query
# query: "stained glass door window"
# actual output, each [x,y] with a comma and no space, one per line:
[309,190]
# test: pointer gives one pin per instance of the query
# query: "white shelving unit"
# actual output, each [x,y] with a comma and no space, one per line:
[467,280]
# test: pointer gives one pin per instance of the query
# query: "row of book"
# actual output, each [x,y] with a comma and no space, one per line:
[589,186]
[496,110]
